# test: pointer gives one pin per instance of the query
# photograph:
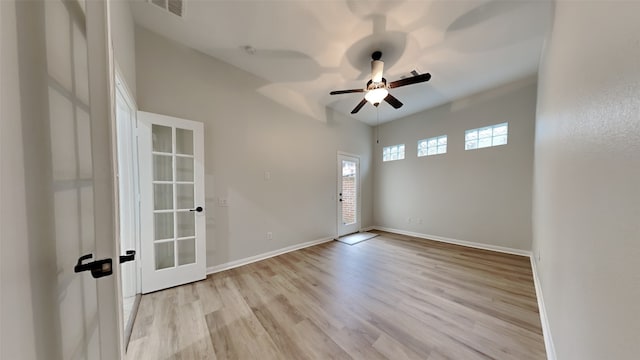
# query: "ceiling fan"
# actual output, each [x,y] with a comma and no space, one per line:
[377,88]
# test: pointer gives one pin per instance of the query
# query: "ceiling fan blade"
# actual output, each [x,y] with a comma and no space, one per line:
[411,80]
[337,92]
[359,106]
[393,101]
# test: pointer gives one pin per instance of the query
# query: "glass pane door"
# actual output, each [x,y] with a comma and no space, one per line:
[173,217]
[349,192]
[173,197]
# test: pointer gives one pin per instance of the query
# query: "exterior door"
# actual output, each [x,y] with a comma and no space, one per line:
[348,194]
[173,250]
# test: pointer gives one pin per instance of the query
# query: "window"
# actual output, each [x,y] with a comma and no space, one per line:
[432,146]
[393,152]
[493,135]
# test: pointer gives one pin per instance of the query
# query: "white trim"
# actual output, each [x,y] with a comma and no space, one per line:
[544,319]
[476,245]
[122,86]
[348,154]
[263,256]
[368,228]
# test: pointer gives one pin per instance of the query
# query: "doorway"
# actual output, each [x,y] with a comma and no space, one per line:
[348,194]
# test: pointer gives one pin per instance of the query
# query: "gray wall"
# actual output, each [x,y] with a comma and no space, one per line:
[481,196]
[247,134]
[587,180]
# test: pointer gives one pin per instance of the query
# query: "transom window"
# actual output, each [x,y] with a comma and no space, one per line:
[432,146]
[393,152]
[488,136]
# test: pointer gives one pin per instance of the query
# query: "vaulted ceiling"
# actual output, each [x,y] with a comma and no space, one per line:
[306,48]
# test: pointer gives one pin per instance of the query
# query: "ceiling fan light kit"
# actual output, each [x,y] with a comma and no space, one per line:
[377,88]
[375,96]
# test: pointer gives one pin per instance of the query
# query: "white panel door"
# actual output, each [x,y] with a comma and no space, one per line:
[173,250]
[348,194]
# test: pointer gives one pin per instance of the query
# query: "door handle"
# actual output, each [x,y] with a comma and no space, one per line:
[98,268]
[130,256]
[198,209]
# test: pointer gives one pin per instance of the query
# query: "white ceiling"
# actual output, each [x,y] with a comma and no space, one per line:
[306,48]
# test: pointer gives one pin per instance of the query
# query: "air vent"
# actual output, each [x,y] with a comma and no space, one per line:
[175,7]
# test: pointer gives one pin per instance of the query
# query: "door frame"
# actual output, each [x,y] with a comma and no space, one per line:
[123,91]
[121,86]
[358,195]
[103,132]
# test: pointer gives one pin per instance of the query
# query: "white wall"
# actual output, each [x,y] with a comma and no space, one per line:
[587,180]
[247,134]
[123,39]
[481,196]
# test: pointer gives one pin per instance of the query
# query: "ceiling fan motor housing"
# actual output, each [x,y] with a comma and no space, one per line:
[376,85]
[376,70]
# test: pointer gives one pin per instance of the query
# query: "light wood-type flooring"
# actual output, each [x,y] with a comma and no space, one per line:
[392,297]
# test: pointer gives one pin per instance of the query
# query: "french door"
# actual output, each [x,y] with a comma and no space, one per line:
[173,250]
[63,286]
[348,194]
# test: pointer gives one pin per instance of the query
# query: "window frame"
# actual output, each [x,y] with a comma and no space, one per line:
[438,146]
[494,139]
[400,155]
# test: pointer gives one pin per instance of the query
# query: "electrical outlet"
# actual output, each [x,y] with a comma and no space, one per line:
[408,220]
[269,235]
[419,220]
[267,176]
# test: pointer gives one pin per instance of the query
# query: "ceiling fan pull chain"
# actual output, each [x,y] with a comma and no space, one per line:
[377,125]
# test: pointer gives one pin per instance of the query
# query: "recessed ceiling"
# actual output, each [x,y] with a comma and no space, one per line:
[305,49]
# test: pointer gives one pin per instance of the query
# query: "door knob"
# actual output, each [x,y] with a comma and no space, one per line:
[131,255]
[98,268]
[198,209]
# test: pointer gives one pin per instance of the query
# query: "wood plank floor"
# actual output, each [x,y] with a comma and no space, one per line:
[391,297]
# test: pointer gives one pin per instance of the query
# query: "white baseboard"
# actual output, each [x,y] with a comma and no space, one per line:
[544,320]
[368,228]
[501,249]
[270,254]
